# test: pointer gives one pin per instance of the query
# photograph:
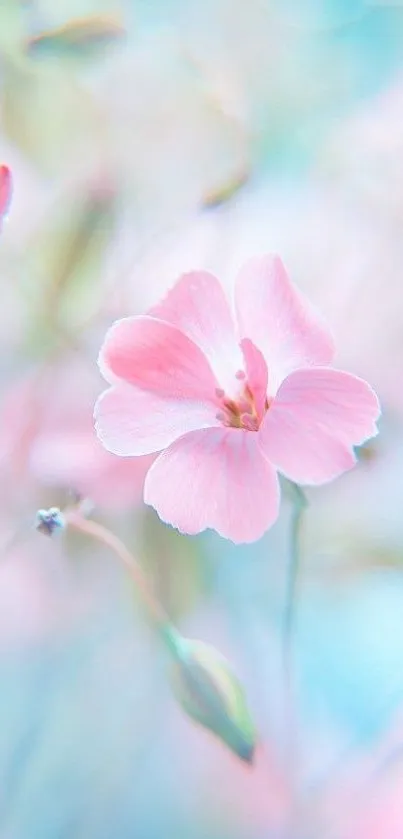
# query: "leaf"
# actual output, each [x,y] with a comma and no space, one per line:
[225,192]
[77,37]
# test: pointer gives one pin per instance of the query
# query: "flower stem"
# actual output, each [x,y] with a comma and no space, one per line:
[159,618]
[299,505]
[291,733]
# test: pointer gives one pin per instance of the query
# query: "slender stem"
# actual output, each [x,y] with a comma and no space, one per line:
[300,503]
[75,520]
[291,733]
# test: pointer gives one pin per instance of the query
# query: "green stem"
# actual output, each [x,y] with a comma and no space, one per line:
[291,733]
[300,503]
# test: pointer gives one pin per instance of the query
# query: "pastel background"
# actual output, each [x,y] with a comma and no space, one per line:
[194,135]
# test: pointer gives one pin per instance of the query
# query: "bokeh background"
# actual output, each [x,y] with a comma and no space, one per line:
[146,138]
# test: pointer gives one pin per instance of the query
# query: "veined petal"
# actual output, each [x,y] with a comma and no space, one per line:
[279,320]
[156,357]
[216,478]
[130,421]
[317,417]
[197,305]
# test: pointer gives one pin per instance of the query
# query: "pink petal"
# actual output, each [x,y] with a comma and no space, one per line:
[279,320]
[131,422]
[215,478]
[198,306]
[318,415]
[5,190]
[256,373]
[157,357]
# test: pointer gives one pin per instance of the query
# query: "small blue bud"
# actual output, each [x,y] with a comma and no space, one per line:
[47,521]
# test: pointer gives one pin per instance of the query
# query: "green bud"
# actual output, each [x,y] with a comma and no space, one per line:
[212,695]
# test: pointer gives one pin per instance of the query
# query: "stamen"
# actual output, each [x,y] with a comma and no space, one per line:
[232,406]
[240,413]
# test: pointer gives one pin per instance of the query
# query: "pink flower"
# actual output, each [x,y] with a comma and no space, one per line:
[229,402]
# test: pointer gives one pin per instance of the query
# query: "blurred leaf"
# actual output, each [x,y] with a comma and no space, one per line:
[77,38]
[66,262]
[224,193]
[48,115]
[211,694]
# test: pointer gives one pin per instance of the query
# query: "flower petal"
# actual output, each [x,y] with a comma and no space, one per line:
[317,416]
[197,305]
[130,421]
[215,478]
[278,319]
[158,358]
[256,373]
[5,190]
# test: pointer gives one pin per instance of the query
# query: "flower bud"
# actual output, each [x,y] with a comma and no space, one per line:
[47,521]
[212,695]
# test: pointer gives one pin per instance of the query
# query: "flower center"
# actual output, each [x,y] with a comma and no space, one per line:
[241,412]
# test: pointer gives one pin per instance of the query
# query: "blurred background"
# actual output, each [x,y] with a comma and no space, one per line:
[146,139]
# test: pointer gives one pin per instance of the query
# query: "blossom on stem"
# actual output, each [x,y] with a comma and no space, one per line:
[230,401]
